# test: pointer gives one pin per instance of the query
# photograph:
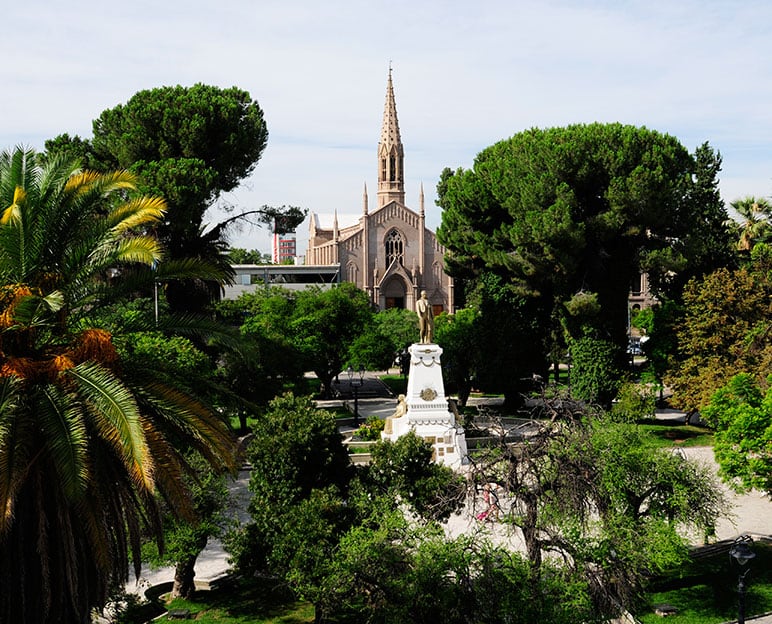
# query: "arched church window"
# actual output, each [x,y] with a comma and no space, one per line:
[437,272]
[392,168]
[352,273]
[384,169]
[394,247]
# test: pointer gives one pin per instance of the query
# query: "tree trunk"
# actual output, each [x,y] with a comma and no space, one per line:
[530,536]
[184,575]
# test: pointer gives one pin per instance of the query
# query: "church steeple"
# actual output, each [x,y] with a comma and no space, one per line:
[391,155]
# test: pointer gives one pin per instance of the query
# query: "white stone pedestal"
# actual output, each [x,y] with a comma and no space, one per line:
[428,413]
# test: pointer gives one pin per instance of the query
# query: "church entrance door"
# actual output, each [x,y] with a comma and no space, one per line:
[394,293]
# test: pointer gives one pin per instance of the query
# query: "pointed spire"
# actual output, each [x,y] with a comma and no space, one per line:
[364,200]
[391,175]
[390,129]
[421,201]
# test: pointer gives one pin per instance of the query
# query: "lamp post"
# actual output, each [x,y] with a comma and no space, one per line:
[742,553]
[355,384]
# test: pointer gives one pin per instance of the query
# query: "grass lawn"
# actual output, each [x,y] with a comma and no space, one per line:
[705,591]
[245,601]
[396,383]
[678,435]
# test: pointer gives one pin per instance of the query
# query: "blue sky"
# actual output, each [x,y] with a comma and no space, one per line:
[466,74]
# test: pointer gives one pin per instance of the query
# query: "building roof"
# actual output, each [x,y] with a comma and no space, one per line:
[325,221]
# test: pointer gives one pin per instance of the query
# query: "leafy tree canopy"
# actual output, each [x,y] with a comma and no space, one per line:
[237,255]
[189,145]
[602,496]
[724,330]
[317,329]
[584,208]
[742,416]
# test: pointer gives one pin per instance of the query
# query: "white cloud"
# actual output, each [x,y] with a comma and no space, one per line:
[466,75]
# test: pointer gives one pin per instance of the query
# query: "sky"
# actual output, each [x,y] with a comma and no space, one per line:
[466,75]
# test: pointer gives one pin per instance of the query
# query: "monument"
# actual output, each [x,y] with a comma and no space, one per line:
[424,408]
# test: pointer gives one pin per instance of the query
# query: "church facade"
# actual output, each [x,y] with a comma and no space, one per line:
[388,251]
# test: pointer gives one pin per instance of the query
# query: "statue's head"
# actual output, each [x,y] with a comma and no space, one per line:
[423,294]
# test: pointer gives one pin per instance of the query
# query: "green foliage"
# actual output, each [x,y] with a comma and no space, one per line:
[457,333]
[295,451]
[311,329]
[172,352]
[222,129]
[643,319]
[510,345]
[325,323]
[237,255]
[583,209]
[399,325]
[603,496]
[389,332]
[742,417]
[724,332]
[189,145]
[594,374]
[371,349]
[634,402]
[185,539]
[753,224]
[404,470]
[89,441]
[371,430]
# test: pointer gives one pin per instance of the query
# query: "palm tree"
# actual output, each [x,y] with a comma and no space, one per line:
[755,226]
[87,444]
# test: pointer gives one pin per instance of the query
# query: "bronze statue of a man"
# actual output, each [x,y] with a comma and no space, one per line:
[425,318]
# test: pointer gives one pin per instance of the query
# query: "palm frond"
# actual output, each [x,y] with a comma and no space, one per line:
[102,183]
[15,438]
[169,472]
[12,214]
[62,424]
[142,249]
[136,212]
[115,414]
[178,412]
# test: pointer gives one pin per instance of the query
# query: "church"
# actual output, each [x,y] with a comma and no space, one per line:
[388,251]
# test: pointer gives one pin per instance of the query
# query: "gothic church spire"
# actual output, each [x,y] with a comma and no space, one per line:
[391,154]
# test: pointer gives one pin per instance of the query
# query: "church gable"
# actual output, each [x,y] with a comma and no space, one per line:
[395,213]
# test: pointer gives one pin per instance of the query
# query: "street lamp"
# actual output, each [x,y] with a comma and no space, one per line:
[742,553]
[355,385]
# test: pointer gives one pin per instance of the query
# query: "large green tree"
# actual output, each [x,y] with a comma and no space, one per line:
[189,145]
[324,326]
[582,209]
[724,331]
[742,416]
[87,438]
[309,505]
[601,497]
